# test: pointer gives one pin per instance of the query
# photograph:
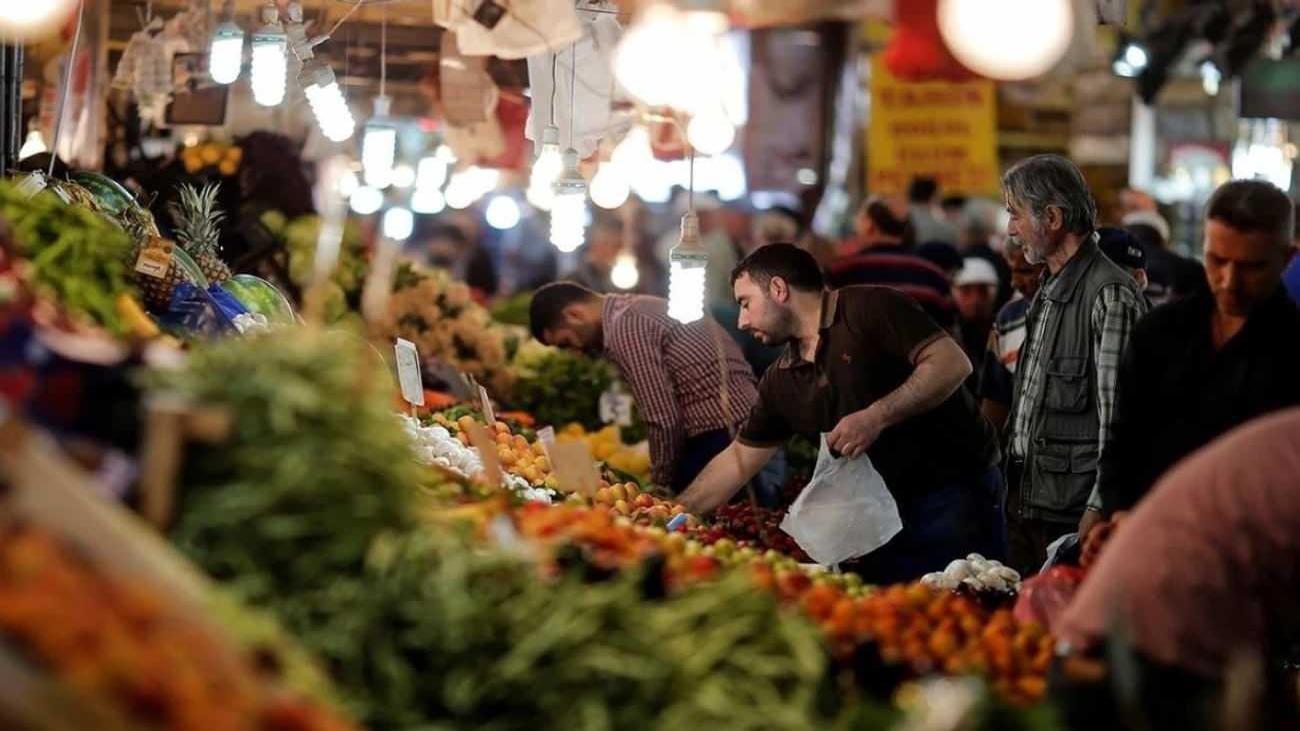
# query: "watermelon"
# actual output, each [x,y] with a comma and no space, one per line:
[110,194]
[261,297]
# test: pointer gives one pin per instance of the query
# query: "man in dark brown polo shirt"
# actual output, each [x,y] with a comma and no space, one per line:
[866,366]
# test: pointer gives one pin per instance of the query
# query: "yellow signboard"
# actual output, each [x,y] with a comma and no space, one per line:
[939,129]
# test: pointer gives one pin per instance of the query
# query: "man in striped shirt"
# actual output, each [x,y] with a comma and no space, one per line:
[691,383]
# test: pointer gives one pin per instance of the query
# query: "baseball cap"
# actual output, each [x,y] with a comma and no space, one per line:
[975,270]
[1121,247]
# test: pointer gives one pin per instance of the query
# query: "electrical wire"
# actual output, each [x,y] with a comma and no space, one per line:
[573,91]
[383,51]
[67,87]
[347,15]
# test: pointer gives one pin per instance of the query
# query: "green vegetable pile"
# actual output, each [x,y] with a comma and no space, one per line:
[457,637]
[513,310]
[78,258]
[559,387]
[316,468]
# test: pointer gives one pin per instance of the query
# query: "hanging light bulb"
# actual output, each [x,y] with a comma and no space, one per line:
[33,145]
[366,200]
[428,201]
[348,183]
[398,223]
[33,20]
[326,100]
[609,186]
[711,132]
[379,146]
[546,168]
[633,155]
[624,274]
[226,54]
[403,176]
[270,64]
[430,173]
[641,64]
[688,262]
[1009,40]
[460,192]
[502,213]
[569,211]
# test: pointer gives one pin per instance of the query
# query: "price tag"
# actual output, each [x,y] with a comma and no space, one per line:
[485,403]
[408,372]
[487,452]
[155,258]
[32,184]
[573,467]
[616,408]
[546,435]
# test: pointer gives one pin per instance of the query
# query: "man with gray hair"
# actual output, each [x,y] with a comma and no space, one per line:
[1077,328]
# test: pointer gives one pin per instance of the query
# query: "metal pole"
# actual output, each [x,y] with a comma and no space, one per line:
[15,106]
[7,117]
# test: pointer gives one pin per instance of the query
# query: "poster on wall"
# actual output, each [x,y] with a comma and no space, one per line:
[943,130]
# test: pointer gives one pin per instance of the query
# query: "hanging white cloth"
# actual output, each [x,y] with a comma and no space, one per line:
[551,82]
[526,28]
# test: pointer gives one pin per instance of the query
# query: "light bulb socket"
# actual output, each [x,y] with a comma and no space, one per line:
[316,72]
[551,135]
[228,30]
[383,104]
[570,179]
[690,236]
[270,15]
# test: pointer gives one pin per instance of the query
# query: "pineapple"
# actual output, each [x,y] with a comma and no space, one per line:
[198,228]
[156,292]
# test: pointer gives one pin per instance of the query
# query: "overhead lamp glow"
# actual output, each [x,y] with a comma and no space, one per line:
[348,183]
[1131,60]
[379,146]
[428,201]
[569,212]
[33,145]
[502,213]
[546,169]
[226,53]
[710,133]
[687,264]
[609,186]
[634,155]
[366,200]
[403,176]
[34,19]
[624,273]
[1007,39]
[326,101]
[461,191]
[398,223]
[270,62]
[430,173]
[1210,77]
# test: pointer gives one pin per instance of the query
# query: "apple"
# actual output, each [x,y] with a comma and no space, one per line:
[618,492]
[604,496]
[643,501]
[621,507]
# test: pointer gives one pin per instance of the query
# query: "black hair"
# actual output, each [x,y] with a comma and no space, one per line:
[941,254]
[884,219]
[797,267]
[1253,206]
[547,308]
[922,189]
[1146,235]
[953,201]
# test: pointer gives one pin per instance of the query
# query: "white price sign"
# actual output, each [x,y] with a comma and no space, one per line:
[616,408]
[408,372]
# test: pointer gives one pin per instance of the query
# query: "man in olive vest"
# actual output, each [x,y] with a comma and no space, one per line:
[1078,325]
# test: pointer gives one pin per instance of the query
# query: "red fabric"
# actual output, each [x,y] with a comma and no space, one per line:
[512,115]
[916,51]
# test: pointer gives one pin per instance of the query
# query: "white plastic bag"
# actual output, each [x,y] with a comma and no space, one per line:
[844,512]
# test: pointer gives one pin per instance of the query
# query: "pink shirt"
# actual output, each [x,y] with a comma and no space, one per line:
[1209,563]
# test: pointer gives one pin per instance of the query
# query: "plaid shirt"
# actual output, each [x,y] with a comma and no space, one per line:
[675,374]
[1114,314]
